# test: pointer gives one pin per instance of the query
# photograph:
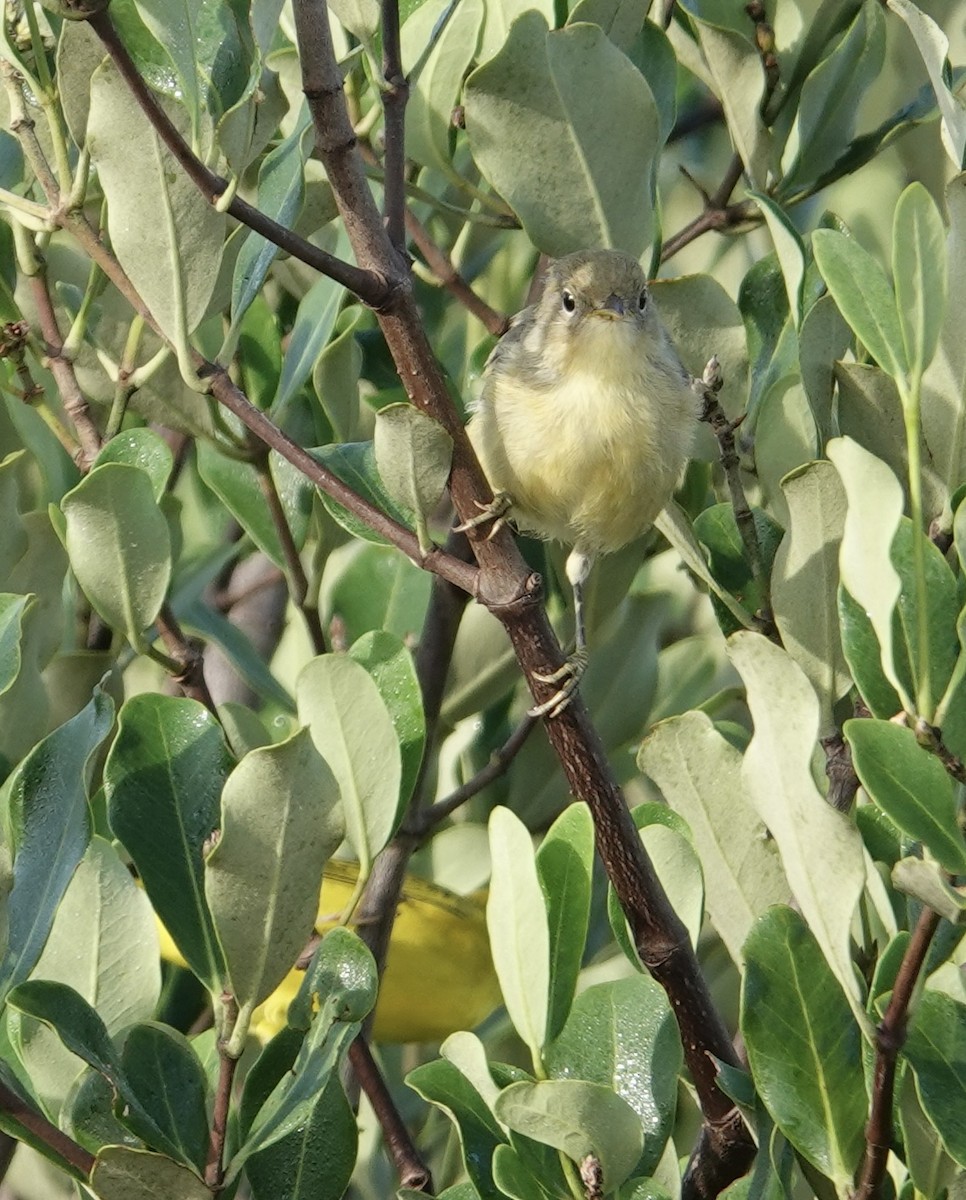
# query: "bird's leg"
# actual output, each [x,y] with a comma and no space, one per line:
[495,511]
[569,675]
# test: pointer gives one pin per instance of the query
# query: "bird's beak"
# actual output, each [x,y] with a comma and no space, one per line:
[612,309]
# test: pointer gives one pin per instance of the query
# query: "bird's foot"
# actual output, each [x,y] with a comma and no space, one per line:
[495,511]
[568,676]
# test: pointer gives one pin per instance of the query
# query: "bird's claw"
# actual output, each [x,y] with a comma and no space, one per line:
[568,676]
[495,511]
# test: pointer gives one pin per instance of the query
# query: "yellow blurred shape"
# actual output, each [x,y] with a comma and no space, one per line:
[439,976]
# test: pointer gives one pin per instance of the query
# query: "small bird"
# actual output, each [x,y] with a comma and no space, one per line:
[585,421]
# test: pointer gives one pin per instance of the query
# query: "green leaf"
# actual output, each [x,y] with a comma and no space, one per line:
[875,505]
[911,786]
[140,448]
[103,943]
[936,1050]
[565,863]
[919,265]
[163,780]
[390,664]
[165,233]
[123,1173]
[371,587]
[413,457]
[355,464]
[166,1076]
[439,43]
[865,298]
[443,1084]
[699,774]
[623,1035]
[48,828]
[830,99]
[280,823]
[803,1045]
[237,485]
[805,580]
[119,546]
[281,188]
[353,731]
[516,917]
[315,1162]
[314,323]
[539,117]
[777,774]
[579,1119]
[924,880]
[823,339]
[12,609]
[933,45]
[790,250]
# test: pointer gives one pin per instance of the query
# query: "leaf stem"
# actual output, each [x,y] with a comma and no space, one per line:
[910,395]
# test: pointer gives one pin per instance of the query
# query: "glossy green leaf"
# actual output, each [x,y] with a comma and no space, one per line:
[48,827]
[911,786]
[623,1035]
[280,823]
[369,587]
[167,1078]
[163,779]
[314,323]
[315,1162]
[281,187]
[439,43]
[355,464]
[577,1118]
[444,1085]
[123,1173]
[831,96]
[936,1050]
[390,664]
[790,250]
[933,45]
[930,1167]
[141,448]
[353,731]
[875,505]
[539,116]
[919,264]
[803,1045]
[777,774]
[164,231]
[699,774]
[336,994]
[805,580]
[413,457]
[237,485]
[565,863]
[103,944]
[516,917]
[12,610]
[119,546]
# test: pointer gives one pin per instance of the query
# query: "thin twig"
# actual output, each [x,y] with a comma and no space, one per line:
[890,1035]
[298,584]
[724,430]
[63,372]
[395,94]
[369,287]
[49,1135]
[422,822]
[413,1172]
[495,322]
[187,658]
[215,1164]
[717,213]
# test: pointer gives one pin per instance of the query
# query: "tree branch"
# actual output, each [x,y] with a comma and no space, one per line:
[40,1128]
[413,1172]
[890,1035]
[369,287]
[395,94]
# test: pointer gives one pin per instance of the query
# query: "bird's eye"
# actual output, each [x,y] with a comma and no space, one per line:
[569,300]
[642,300]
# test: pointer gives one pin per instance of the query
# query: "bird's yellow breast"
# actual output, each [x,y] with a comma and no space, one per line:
[592,458]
